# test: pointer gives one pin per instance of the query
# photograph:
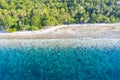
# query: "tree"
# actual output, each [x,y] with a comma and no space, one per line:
[35,14]
[49,21]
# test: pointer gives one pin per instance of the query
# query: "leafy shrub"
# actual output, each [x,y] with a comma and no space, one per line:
[11,30]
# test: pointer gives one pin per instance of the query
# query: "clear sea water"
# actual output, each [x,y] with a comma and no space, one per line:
[60,63]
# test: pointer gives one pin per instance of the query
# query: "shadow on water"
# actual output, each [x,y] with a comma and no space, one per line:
[80,63]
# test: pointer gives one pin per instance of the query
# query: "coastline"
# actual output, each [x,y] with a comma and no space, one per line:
[71,31]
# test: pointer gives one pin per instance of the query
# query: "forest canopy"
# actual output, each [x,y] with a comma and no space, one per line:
[35,14]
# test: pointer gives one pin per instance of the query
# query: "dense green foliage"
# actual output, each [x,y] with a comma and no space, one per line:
[35,14]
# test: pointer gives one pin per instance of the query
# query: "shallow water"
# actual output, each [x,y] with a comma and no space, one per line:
[60,63]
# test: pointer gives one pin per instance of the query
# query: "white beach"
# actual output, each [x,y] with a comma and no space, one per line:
[74,31]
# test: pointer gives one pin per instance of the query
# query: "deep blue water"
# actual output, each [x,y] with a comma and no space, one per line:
[79,63]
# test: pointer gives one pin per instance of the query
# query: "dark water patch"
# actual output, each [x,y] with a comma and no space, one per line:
[79,63]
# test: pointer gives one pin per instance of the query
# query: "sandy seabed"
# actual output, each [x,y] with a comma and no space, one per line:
[63,43]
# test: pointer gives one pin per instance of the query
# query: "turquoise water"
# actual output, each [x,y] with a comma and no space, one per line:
[58,63]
